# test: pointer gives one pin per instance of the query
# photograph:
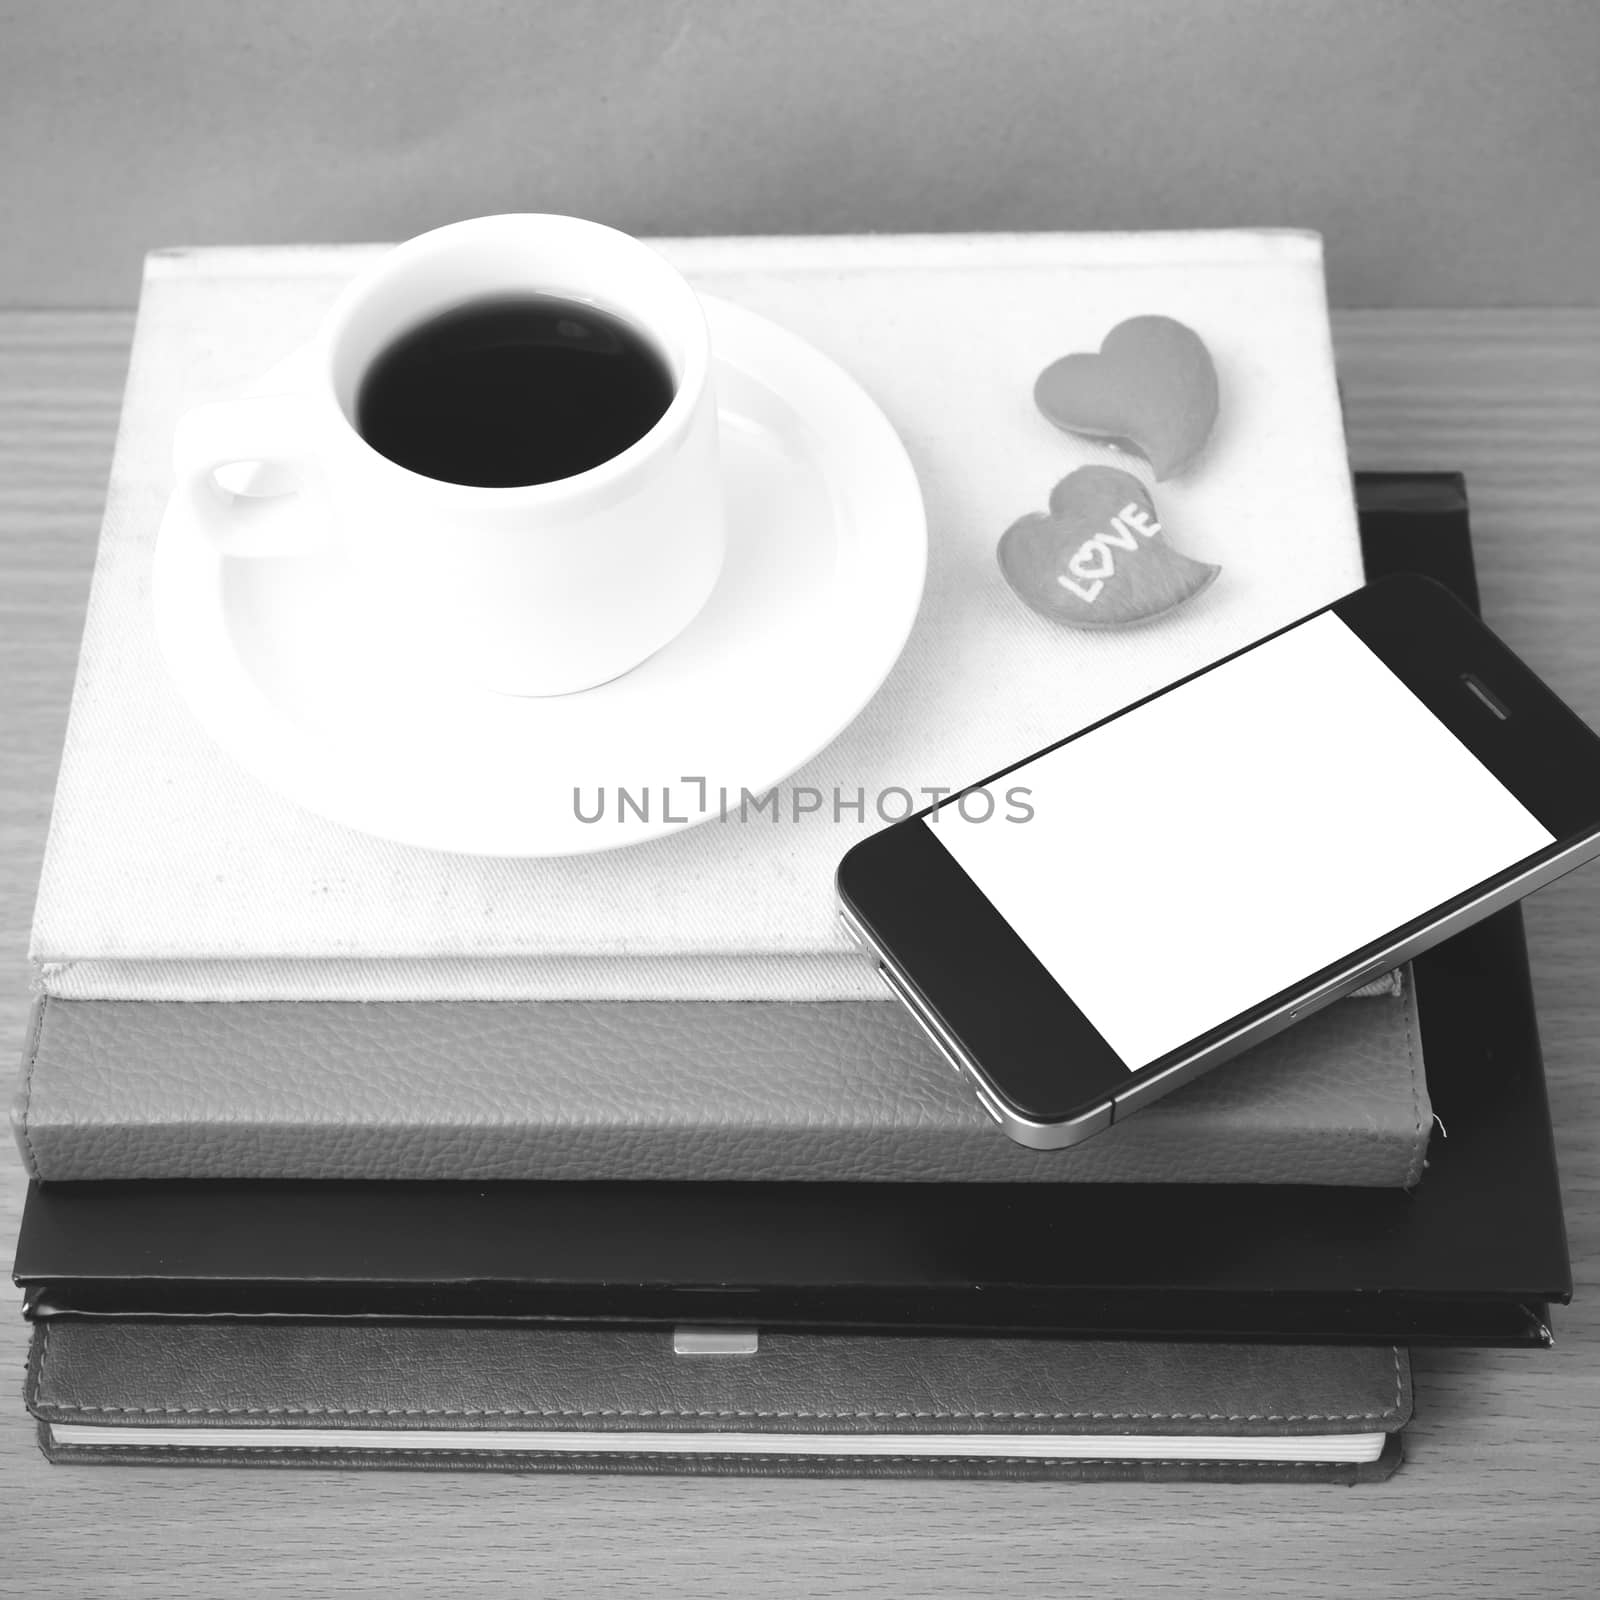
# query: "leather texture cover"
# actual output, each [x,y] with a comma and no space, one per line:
[487,1381]
[825,1091]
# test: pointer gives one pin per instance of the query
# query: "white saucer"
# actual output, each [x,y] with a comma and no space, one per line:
[826,556]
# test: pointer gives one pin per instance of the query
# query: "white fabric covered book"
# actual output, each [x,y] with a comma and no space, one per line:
[171,873]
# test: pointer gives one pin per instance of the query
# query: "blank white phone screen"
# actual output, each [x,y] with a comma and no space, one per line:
[1236,835]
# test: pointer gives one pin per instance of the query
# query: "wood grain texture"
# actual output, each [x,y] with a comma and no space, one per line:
[1499,1493]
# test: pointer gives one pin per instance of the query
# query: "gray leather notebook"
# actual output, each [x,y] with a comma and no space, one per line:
[695,1400]
[826,1091]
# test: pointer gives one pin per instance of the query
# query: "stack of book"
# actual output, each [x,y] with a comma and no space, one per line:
[347,1151]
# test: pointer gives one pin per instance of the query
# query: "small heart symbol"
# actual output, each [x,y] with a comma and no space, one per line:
[1089,570]
[1060,563]
[1151,388]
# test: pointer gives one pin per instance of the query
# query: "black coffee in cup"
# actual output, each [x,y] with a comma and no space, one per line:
[512,391]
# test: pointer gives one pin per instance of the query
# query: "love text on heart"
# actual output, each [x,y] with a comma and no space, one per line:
[1093,561]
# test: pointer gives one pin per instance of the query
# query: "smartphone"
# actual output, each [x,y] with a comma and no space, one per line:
[1107,919]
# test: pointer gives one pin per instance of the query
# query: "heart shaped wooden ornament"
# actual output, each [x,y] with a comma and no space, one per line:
[1099,558]
[1151,388]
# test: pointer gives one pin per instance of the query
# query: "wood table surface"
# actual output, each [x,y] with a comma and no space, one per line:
[1500,1493]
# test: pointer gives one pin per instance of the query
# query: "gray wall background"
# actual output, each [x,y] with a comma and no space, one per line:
[1449,149]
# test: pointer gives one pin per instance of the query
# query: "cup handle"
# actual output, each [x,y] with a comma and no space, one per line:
[274,430]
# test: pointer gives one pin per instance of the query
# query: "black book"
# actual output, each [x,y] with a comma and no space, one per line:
[1475,1255]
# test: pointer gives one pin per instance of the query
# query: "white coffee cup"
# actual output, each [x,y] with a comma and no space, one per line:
[540,590]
